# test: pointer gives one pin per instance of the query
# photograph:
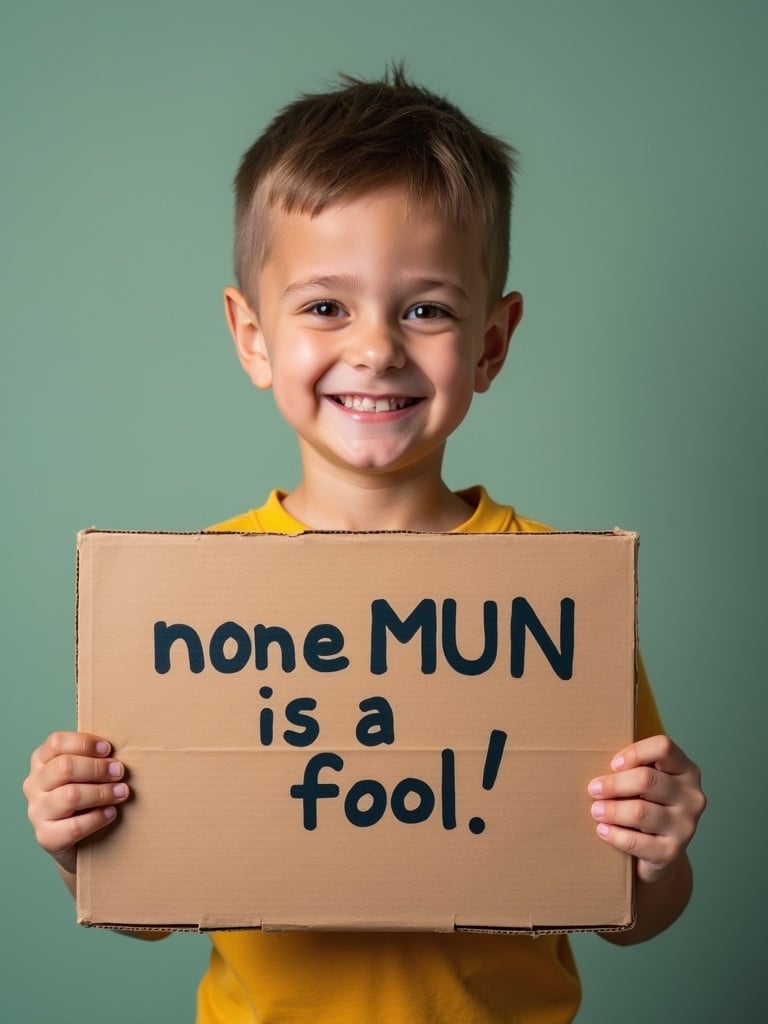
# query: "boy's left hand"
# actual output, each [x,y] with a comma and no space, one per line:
[650,805]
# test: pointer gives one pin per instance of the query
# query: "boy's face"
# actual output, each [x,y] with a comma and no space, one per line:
[373,329]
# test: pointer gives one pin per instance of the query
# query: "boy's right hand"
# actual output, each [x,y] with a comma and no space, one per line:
[72,791]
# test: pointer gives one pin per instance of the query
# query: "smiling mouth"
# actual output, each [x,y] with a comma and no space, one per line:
[367,403]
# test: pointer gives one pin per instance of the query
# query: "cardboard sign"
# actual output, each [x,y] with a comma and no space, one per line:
[357,731]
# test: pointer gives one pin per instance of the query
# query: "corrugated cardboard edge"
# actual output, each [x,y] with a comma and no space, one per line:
[615,532]
[201,929]
[83,897]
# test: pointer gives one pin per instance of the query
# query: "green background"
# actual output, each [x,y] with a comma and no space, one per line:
[634,394]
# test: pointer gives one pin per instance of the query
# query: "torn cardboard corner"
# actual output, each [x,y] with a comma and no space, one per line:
[357,731]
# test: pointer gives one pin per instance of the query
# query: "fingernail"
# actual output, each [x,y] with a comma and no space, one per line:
[618,762]
[596,787]
[598,809]
[120,790]
[603,830]
[109,812]
[115,769]
[102,748]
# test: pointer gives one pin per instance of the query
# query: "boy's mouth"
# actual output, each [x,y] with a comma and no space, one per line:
[369,403]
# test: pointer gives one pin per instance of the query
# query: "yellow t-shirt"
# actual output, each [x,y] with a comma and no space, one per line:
[395,977]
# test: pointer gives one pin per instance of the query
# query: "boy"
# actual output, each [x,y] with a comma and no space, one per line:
[371,254]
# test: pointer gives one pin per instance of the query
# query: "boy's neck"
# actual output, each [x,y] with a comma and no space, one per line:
[335,500]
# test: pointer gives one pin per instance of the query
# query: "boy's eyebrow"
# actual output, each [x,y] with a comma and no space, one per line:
[331,282]
[427,283]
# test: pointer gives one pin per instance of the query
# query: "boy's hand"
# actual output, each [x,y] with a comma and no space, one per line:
[650,805]
[72,790]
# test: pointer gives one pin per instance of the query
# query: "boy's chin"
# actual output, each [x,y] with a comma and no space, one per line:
[377,462]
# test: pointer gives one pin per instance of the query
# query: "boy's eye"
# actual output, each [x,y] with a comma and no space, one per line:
[326,308]
[426,311]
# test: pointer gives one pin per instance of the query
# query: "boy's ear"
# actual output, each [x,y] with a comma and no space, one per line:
[249,341]
[498,331]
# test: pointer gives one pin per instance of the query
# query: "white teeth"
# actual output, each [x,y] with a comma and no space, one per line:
[365,403]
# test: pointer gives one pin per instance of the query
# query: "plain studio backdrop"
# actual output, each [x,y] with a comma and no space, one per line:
[634,393]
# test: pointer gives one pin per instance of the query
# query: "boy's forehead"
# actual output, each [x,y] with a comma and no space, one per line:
[379,219]
[382,231]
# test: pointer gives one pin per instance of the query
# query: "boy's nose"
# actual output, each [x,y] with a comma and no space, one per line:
[376,347]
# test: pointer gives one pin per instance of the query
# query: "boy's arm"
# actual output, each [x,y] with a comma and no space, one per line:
[73,790]
[650,806]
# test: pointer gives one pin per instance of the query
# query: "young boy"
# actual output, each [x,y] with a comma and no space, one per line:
[371,254]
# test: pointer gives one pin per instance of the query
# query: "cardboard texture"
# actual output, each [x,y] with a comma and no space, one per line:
[357,731]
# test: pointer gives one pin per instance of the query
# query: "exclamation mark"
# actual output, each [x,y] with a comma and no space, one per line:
[490,772]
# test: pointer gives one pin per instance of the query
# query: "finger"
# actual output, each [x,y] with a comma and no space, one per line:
[646,782]
[70,768]
[60,837]
[658,751]
[70,800]
[634,814]
[657,851]
[78,743]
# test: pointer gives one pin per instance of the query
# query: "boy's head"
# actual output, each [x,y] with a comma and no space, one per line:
[333,147]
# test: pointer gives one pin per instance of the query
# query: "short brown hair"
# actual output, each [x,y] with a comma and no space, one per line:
[329,147]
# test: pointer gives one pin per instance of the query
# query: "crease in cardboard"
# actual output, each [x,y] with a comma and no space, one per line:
[274,750]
